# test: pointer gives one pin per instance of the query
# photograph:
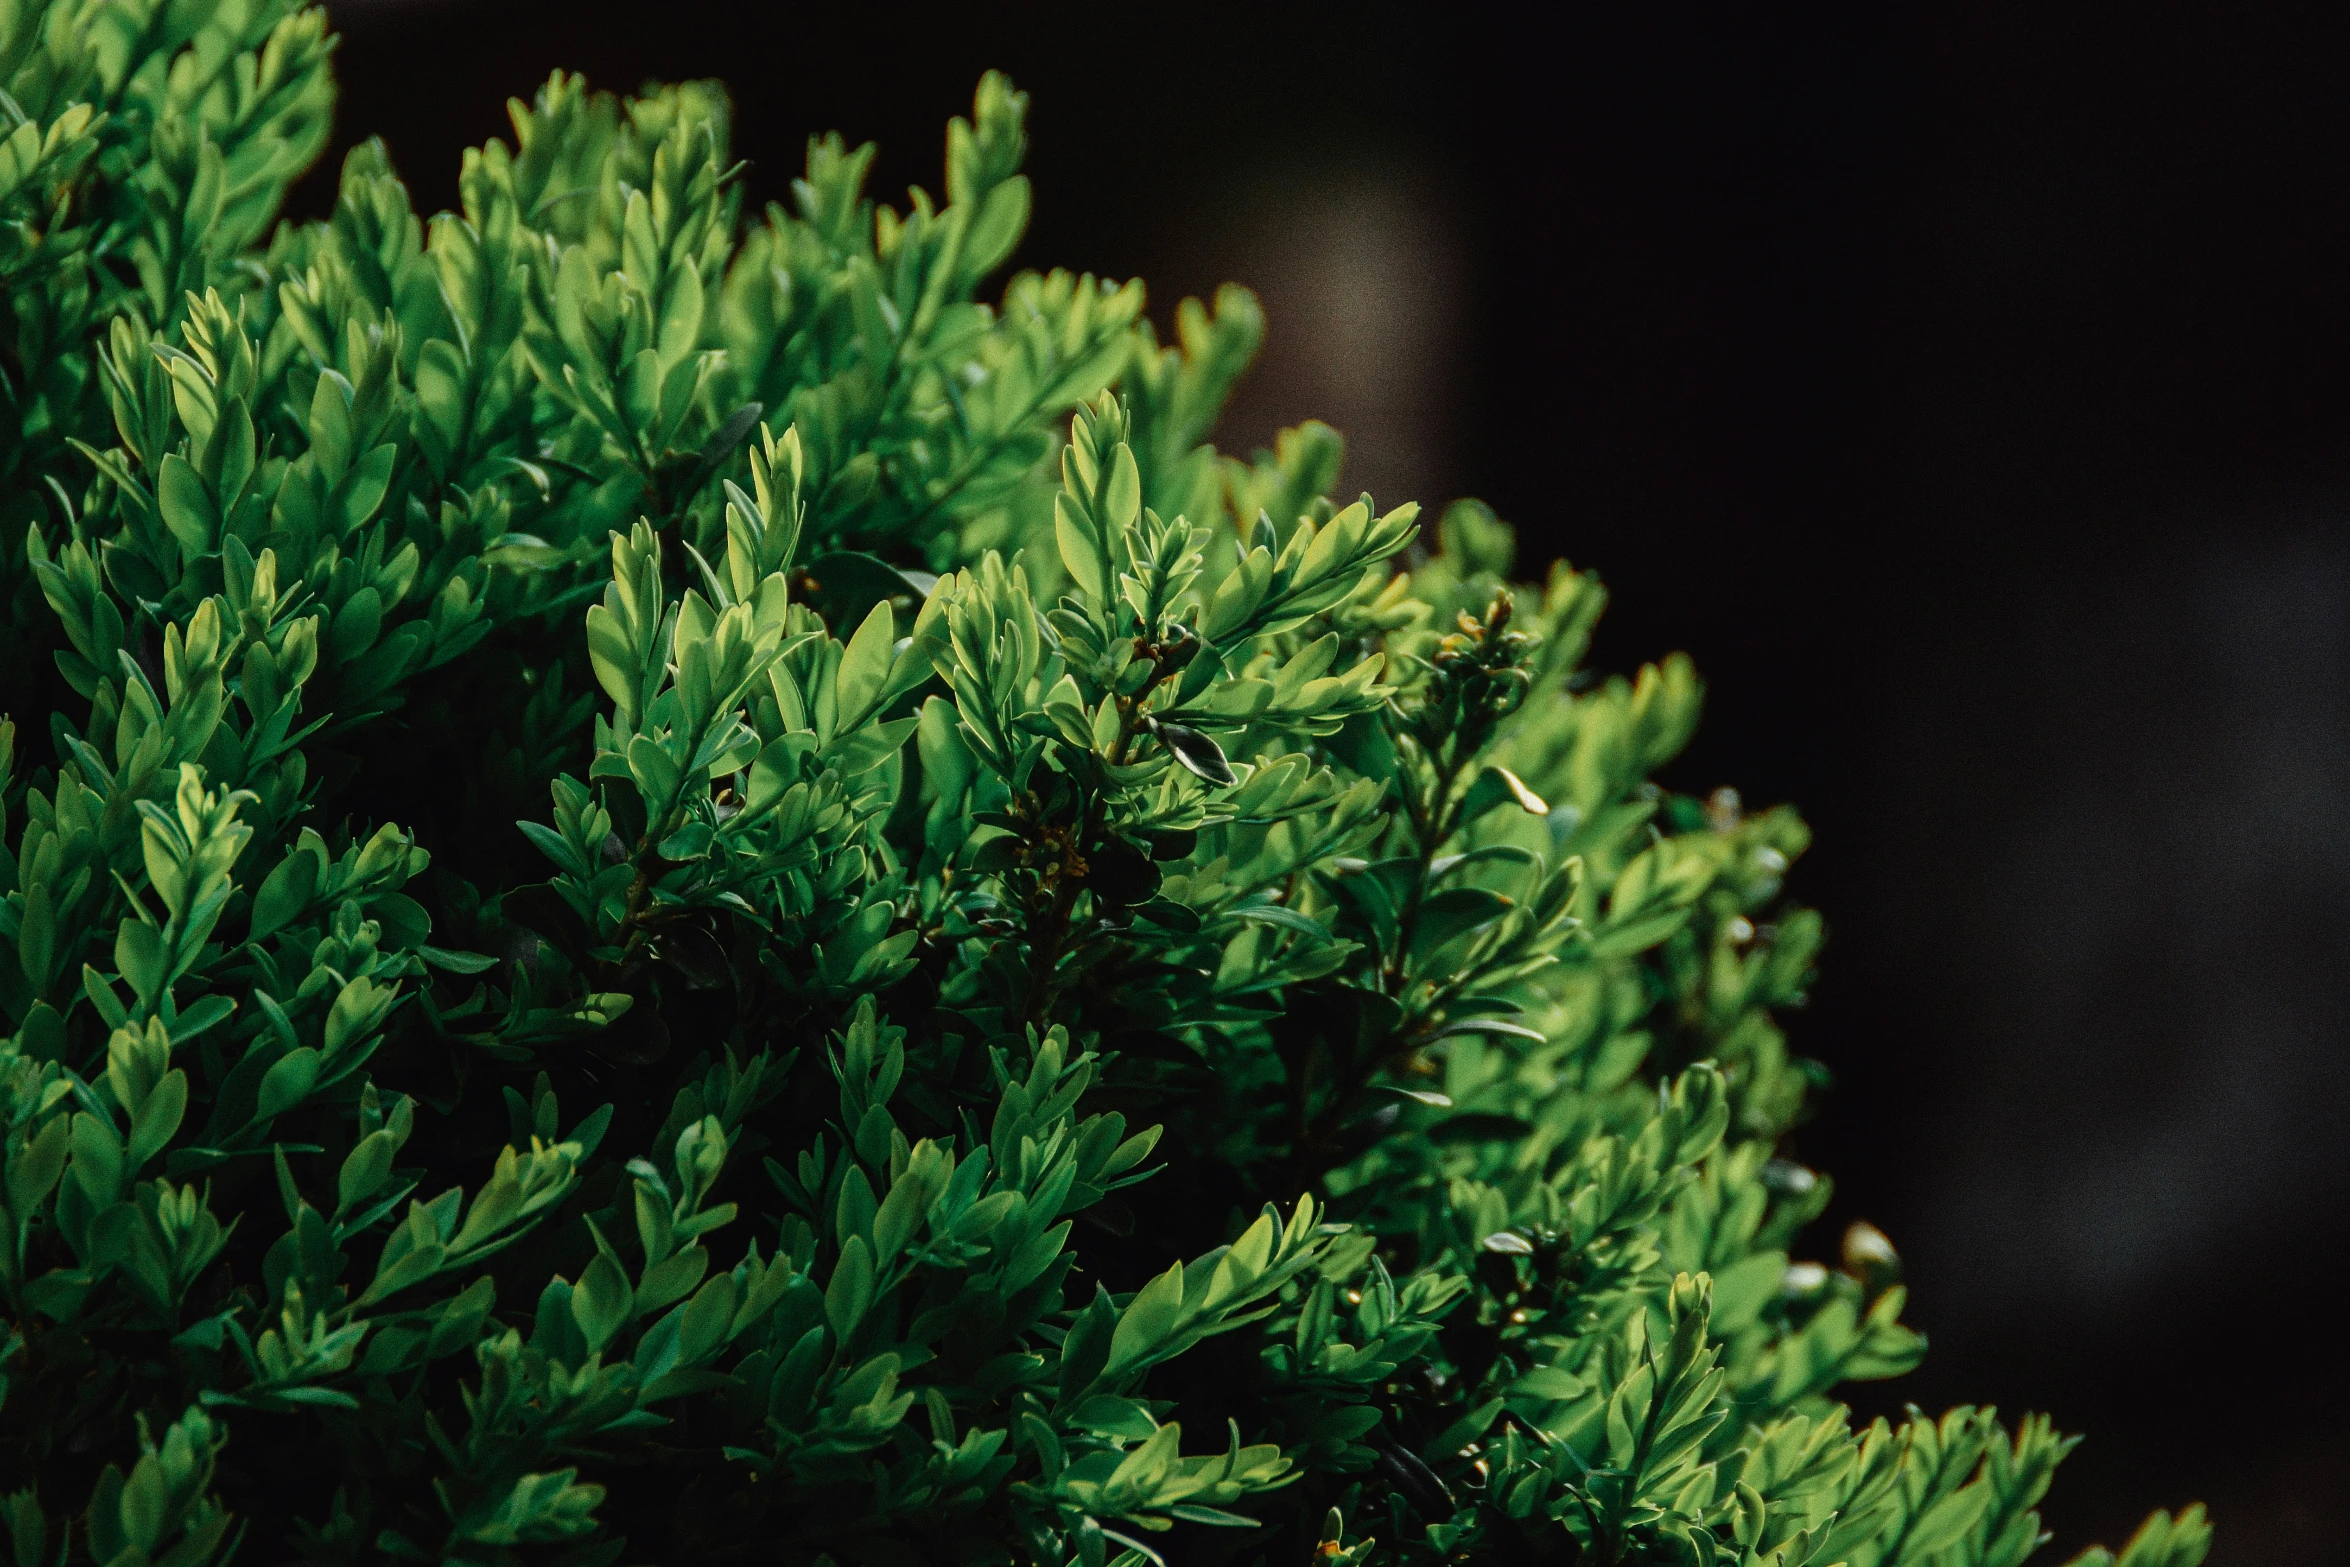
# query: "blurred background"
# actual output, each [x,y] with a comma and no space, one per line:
[1967,390]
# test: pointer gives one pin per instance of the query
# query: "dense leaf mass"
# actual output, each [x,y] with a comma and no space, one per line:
[691,895]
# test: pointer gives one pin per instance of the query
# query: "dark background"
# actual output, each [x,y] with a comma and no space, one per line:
[1967,392]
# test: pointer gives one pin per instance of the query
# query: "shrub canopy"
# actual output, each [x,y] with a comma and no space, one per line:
[691,894]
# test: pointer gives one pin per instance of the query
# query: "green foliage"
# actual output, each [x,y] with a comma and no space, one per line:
[966,978]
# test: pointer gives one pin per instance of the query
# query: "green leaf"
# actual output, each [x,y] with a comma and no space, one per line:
[287,1083]
[187,506]
[457,962]
[1080,547]
[1455,912]
[158,1119]
[1200,755]
[1946,1521]
[850,1294]
[864,666]
[1283,917]
[601,1302]
[285,893]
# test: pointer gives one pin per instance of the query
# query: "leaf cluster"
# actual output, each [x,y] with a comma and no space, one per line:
[700,887]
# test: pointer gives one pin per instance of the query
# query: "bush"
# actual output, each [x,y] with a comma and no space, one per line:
[1058,997]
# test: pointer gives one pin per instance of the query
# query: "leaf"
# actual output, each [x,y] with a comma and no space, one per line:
[1170,915]
[1550,1383]
[457,962]
[1946,1521]
[1122,496]
[187,506]
[865,664]
[1452,913]
[158,1119]
[850,1293]
[655,773]
[1170,843]
[1283,917]
[1200,755]
[1121,874]
[1074,533]
[285,893]
[1147,1319]
[1362,743]
[365,1169]
[1490,1025]
[287,1083]
[723,443]
[1528,801]
[1192,1512]
[1625,937]
[600,1302]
